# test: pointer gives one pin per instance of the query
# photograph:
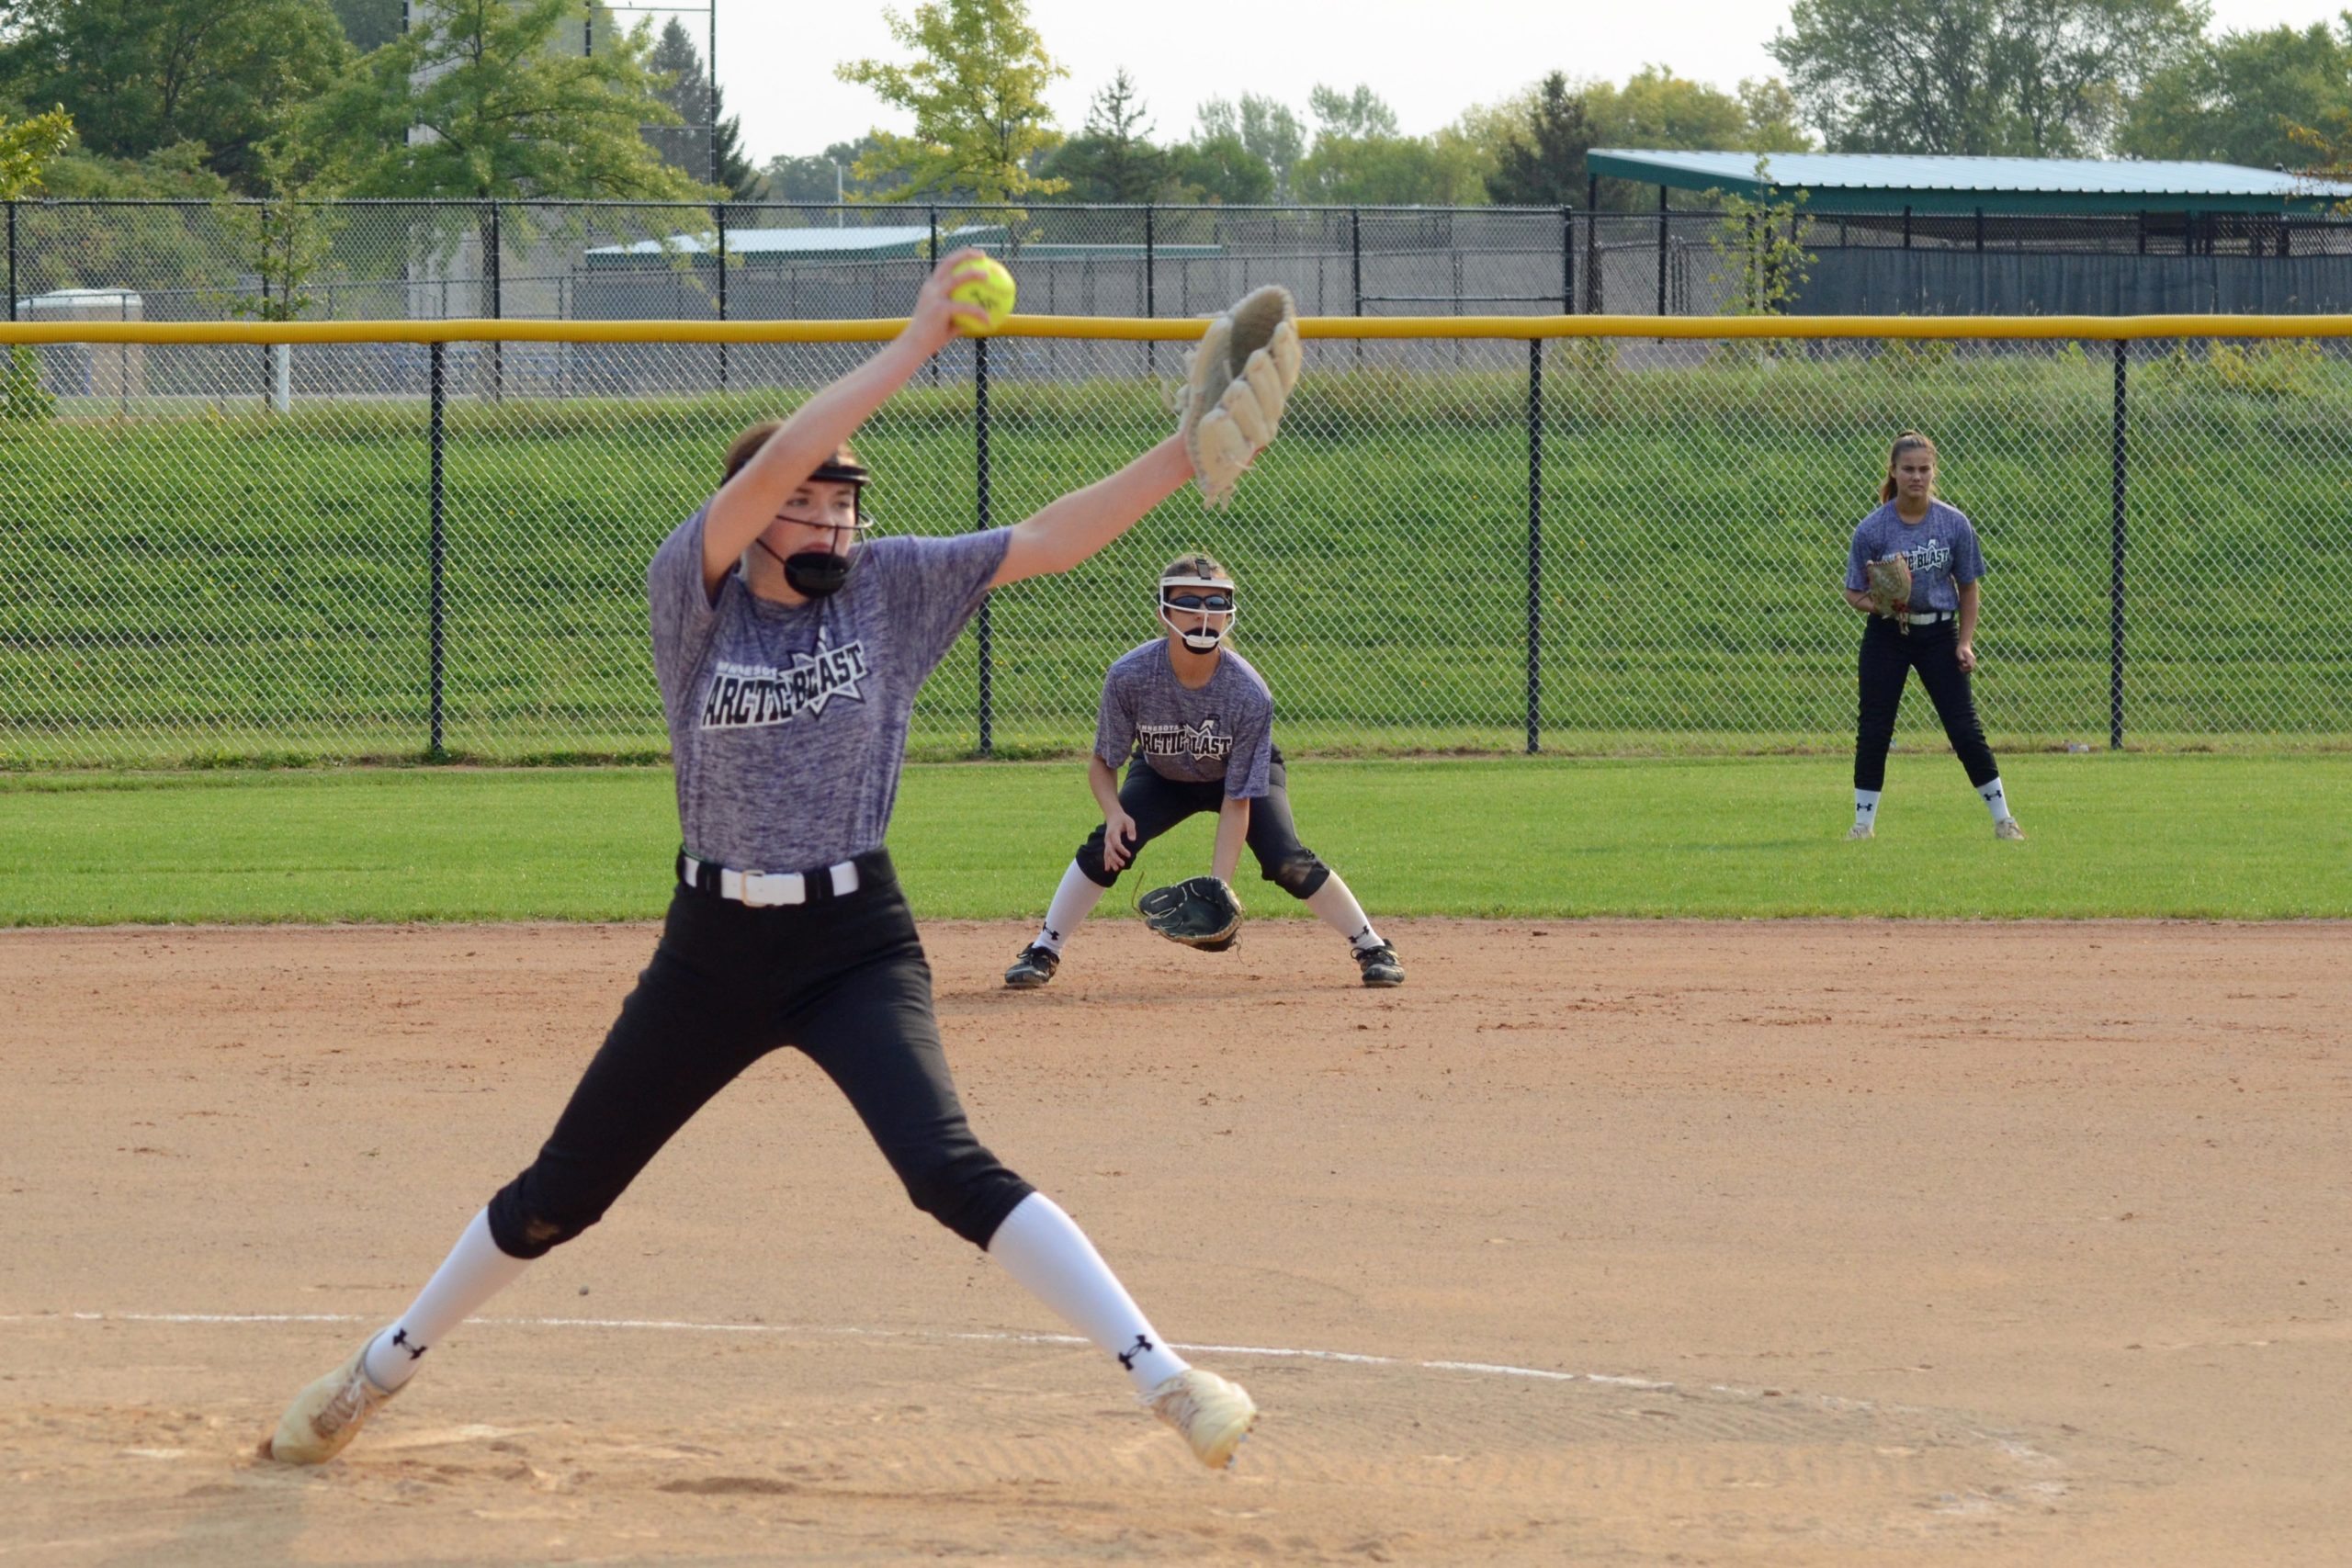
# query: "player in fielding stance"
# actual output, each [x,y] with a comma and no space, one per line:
[1199,722]
[1933,630]
[789,651]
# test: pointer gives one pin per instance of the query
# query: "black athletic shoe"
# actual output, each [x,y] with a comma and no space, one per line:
[1033,968]
[1379,965]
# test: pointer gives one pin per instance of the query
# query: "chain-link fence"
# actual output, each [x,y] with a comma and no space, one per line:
[178,261]
[218,552]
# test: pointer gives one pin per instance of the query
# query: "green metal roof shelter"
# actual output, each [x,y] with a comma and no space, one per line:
[1889,182]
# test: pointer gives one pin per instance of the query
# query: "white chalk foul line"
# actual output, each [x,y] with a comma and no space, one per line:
[675,1325]
[2005,1442]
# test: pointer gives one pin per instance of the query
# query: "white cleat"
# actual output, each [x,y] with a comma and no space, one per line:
[1212,1413]
[326,1416]
[2007,828]
[1860,830]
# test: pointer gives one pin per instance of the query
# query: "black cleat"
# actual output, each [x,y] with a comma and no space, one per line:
[1033,968]
[1379,965]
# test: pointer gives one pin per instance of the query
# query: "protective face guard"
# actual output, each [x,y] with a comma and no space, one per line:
[820,573]
[1207,639]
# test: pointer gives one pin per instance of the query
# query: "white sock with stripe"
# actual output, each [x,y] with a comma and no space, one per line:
[1073,901]
[474,1271]
[1044,1251]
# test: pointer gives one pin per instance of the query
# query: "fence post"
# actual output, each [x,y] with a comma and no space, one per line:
[981,522]
[1534,544]
[2115,563]
[1661,249]
[439,397]
[1150,294]
[720,211]
[497,307]
[1355,257]
[934,261]
[12,259]
[1568,260]
[1593,244]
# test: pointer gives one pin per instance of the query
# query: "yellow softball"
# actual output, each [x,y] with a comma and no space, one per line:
[992,294]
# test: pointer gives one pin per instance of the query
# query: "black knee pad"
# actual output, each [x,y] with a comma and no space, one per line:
[1302,876]
[1089,861]
[525,1228]
[969,1193]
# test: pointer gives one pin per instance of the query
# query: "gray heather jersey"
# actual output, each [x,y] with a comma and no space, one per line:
[1942,547]
[1224,730]
[788,723]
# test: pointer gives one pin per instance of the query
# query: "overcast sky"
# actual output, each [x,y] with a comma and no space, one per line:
[1430,59]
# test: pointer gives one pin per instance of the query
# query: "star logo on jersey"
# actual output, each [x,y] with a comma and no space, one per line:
[1933,556]
[752,696]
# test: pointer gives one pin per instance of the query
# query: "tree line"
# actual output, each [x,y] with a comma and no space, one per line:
[556,99]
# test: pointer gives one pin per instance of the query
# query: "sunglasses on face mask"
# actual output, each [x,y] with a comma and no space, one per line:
[1200,601]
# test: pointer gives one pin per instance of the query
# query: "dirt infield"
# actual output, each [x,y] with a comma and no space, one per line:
[1797,1243]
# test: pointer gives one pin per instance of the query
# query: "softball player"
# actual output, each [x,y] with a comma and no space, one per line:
[1199,722]
[1935,637]
[788,651]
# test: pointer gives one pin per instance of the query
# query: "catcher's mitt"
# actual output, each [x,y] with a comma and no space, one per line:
[1890,585]
[1201,911]
[1235,384]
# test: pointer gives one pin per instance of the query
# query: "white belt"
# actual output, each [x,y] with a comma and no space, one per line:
[1925,617]
[766,889]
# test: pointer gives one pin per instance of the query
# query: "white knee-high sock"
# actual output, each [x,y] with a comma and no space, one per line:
[1338,909]
[474,1271]
[1996,799]
[1044,1251]
[1073,901]
[1865,807]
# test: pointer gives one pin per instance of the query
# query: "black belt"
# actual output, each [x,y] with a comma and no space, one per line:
[776,889]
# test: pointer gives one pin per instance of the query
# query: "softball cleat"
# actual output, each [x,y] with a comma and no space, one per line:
[1212,1413]
[1033,968]
[1860,830]
[326,1416]
[2007,828]
[1379,965]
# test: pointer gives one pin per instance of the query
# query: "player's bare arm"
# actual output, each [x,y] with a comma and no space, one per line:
[1232,830]
[746,503]
[1965,626]
[1069,530]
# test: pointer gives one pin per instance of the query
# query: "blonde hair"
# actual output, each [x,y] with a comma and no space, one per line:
[1909,441]
[746,446]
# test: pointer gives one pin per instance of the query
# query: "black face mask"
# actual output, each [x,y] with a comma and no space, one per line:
[816,574]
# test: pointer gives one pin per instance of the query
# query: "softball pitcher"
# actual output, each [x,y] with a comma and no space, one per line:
[789,651]
[1194,723]
[1933,632]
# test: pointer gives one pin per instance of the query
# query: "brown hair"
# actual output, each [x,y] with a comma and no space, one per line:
[1195,565]
[1909,441]
[744,448]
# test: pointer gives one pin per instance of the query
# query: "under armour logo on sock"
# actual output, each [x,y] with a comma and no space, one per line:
[1867,808]
[400,1338]
[1127,1358]
[1052,936]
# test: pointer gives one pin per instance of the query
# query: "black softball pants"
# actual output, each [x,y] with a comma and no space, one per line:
[844,980]
[1887,658]
[1159,804]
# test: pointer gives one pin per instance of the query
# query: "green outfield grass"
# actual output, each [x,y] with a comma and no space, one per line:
[200,590]
[2192,837]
